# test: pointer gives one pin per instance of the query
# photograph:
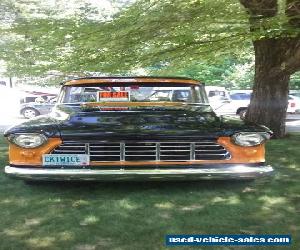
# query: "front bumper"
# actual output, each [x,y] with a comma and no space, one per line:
[210,172]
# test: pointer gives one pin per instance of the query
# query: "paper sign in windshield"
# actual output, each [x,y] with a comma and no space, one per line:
[113,96]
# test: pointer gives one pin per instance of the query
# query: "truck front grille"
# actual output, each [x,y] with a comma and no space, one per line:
[146,151]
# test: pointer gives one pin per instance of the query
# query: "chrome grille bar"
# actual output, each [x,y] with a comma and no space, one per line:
[146,150]
[192,151]
[87,148]
[122,151]
[157,158]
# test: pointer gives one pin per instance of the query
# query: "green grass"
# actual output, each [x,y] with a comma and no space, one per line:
[139,215]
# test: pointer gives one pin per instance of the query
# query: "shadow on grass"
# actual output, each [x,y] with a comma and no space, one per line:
[138,215]
[87,186]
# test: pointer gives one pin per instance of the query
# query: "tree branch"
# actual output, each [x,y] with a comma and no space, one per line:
[293,12]
[199,43]
[262,8]
[291,64]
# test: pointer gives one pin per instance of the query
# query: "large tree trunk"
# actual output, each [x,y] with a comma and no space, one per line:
[270,91]
[276,59]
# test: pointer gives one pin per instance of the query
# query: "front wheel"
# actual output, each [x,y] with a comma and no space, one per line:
[30,113]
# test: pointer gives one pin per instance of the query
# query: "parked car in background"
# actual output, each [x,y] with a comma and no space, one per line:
[170,94]
[218,97]
[215,93]
[31,96]
[120,128]
[40,106]
[297,100]
[295,93]
[234,104]
[240,100]
[294,104]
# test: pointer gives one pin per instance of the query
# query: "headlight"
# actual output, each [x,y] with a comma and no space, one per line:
[248,139]
[28,140]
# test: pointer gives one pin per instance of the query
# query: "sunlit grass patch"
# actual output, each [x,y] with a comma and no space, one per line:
[41,242]
[89,220]
[139,215]
[165,205]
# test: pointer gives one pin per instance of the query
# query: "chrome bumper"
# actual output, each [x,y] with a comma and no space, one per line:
[233,171]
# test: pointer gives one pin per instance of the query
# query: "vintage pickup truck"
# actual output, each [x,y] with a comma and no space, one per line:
[135,128]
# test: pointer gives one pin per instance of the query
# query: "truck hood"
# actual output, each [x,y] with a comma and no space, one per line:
[190,121]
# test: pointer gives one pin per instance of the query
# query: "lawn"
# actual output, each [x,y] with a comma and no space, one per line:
[139,215]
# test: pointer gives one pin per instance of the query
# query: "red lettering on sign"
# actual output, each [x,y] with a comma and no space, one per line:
[110,94]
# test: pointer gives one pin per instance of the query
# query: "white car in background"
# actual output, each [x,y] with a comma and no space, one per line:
[225,104]
[217,97]
[237,105]
[294,104]
[295,93]
[239,101]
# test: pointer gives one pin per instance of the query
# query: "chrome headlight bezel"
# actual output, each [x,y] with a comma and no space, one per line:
[28,140]
[250,139]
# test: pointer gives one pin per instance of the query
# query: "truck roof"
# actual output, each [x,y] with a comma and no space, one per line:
[135,79]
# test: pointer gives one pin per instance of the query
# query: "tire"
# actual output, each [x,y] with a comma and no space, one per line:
[242,113]
[30,113]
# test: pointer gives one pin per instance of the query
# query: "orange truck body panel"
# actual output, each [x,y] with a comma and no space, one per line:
[31,156]
[239,154]
[131,80]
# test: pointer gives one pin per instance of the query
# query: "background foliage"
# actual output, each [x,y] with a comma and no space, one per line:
[207,40]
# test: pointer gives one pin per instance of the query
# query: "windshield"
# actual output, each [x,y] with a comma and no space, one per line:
[132,93]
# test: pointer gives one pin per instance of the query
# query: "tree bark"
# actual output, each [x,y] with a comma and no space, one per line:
[275,60]
[270,91]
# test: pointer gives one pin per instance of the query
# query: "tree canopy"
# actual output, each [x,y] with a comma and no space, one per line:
[232,43]
[164,36]
[208,40]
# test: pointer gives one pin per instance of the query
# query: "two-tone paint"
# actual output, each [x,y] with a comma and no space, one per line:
[173,121]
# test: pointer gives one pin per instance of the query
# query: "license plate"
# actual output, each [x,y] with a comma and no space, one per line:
[66,160]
